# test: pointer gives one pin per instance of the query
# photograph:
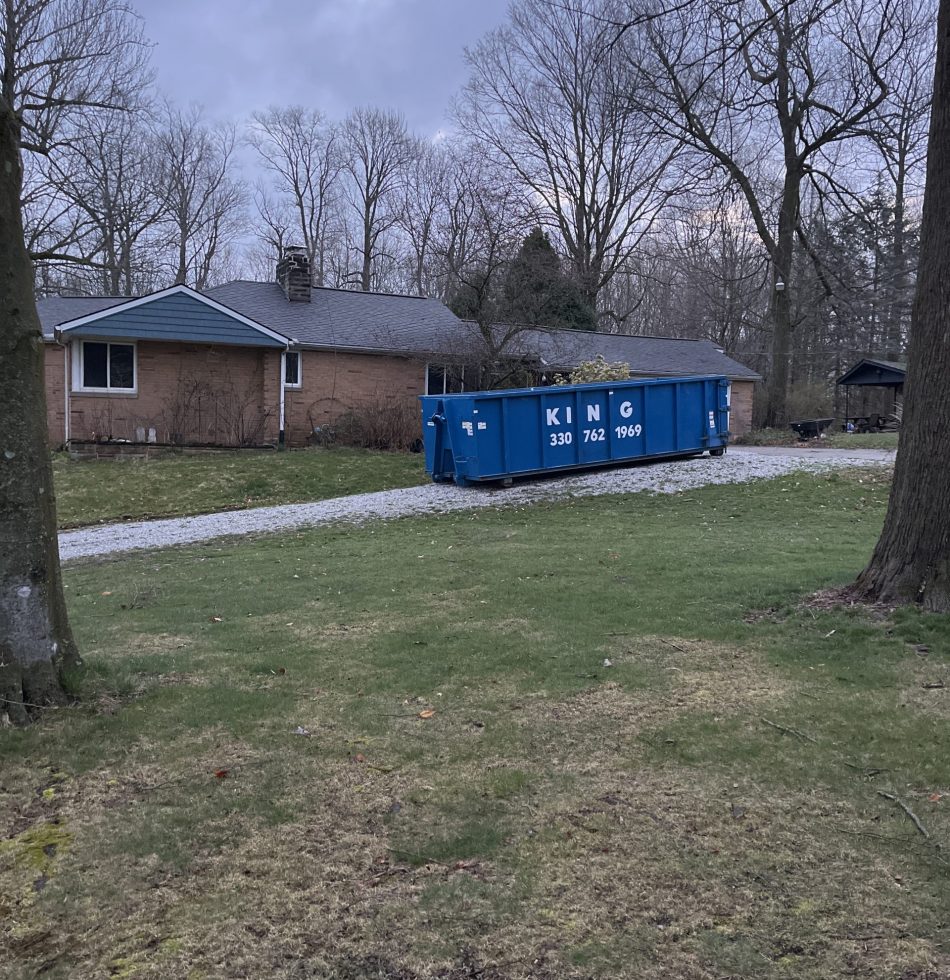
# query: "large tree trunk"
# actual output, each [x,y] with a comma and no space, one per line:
[780,307]
[36,645]
[912,559]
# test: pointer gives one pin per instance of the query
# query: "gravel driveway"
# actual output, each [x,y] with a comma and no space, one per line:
[739,465]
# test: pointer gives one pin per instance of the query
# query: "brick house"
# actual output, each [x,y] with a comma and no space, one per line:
[256,363]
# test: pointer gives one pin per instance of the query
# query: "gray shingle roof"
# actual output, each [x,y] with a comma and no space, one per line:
[563,349]
[346,318]
[54,310]
[338,318]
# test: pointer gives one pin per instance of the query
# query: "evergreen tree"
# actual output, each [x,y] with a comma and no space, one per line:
[537,291]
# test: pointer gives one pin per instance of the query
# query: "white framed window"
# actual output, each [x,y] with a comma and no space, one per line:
[444,379]
[293,378]
[103,366]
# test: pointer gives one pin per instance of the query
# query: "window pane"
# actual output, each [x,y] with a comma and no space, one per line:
[292,368]
[454,379]
[94,372]
[121,366]
[435,382]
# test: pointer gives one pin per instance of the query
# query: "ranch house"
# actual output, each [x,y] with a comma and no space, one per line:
[267,363]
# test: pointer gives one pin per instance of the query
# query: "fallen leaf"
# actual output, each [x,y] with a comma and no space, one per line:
[359,757]
[105,593]
[428,713]
[935,797]
[221,773]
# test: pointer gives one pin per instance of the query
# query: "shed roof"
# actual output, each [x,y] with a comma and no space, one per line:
[874,371]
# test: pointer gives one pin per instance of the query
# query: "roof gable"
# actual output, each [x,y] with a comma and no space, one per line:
[871,371]
[175,314]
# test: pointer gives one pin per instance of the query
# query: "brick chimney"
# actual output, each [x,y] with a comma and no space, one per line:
[293,274]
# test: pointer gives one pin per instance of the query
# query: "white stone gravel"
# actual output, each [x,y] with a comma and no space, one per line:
[737,466]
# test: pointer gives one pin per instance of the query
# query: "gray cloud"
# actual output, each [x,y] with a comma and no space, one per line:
[233,58]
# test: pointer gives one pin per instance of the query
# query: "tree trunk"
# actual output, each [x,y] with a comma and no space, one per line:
[780,306]
[366,273]
[911,562]
[36,645]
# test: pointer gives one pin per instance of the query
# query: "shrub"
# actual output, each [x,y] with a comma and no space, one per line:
[599,369]
[380,424]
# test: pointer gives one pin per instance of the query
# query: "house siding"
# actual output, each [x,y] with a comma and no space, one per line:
[53,369]
[187,393]
[176,318]
[333,383]
[199,394]
[740,416]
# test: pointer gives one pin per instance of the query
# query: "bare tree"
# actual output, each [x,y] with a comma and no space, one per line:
[911,562]
[301,151]
[204,204]
[487,219]
[60,57]
[377,149]
[743,81]
[899,130]
[56,231]
[109,174]
[423,200]
[550,95]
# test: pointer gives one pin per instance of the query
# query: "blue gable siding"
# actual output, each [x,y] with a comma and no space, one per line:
[176,317]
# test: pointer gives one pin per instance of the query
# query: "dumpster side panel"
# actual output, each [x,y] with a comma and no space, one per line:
[494,435]
[594,427]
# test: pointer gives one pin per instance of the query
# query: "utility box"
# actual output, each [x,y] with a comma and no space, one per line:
[498,435]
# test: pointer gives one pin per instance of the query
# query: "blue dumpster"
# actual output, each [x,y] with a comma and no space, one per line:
[498,435]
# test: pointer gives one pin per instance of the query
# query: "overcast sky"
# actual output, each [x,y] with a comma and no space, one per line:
[235,57]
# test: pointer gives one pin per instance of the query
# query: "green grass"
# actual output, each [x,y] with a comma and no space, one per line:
[833,439]
[861,440]
[553,816]
[115,490]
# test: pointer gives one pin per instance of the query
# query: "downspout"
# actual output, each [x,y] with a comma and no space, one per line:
[283,374]
[66,393]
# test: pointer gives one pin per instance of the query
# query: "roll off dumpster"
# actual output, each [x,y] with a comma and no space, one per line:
[485,436]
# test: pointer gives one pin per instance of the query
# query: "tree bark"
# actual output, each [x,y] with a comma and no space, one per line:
[911,562]
[780,306]
[36,645]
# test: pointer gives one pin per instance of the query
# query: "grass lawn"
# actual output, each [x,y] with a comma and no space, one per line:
[600,738]
[116,490]
[861,440]
[833,439]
